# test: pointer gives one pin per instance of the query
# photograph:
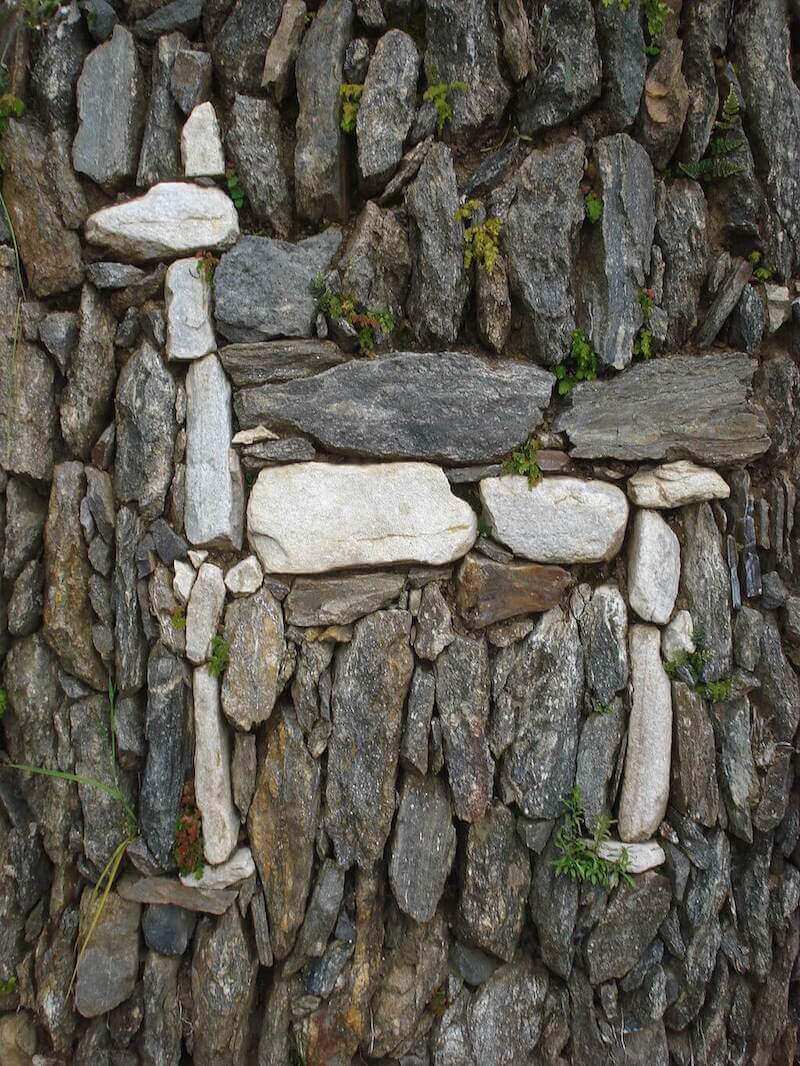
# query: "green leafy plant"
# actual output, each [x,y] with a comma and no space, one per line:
[524,462]
[602,709]
[717,162]
[655,13]
[207,263]
[368,322]
[580,364]
[235,190]
[220,653]
[37,13]
[351,98]
[480,239]
[178,618]
[3,702]
[593,206]
[690,667]
[717,691]
[9,986]
[730,111]
[439,93]
[761,272]
[580,859]
[643,343]
[188,850]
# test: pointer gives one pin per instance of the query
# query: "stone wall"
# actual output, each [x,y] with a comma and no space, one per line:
[399,552]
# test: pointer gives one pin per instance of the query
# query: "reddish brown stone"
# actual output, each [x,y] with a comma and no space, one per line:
[488,592]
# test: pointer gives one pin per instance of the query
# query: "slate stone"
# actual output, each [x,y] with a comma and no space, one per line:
[664,104]
[111,98]
[488,591]
[598,753]
[278,361]
[319,157]
[539,239]
[500,1031]
[26,602]
[627,927]
[167,756]
[254,633]
[159,159]
[106,971]
[129,638]
[604,632]
[255,145]
[160,1039]
[190,79]
[694,779]
[421,698]
[182,15]
[622,51]
[321,914]
[372,677]
[169,891]
[240,46]
[278,75]
[705,588]
[101,18]
[553,903]
[86,400]
[63,47]
[25,515]
[262,287]
[423,846]
[686,407]
[58,332]
[726,298]
[340,600]
[386,109]
[681,233]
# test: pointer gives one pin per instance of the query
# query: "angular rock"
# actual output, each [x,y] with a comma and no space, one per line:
[203,612]
[282,823]
[58,332]
[237,868]
[423,846]
[624,61]
[243,771]
[183,15]
[664,104]
[27,600]
[694,778]
[441,407]
[277,361]
[107,968]
[487,591]
[111,94]
[557,520]
[245,577]
[319,157]
[167,749]
[254,634]
[683,407]
[439,283]
[372,677]
[421,698]
[160,1040]
[25,514]
[240,46]
[129,640]
[681,232]
[214,492]
[675,485]
[165,891]
[158,159]
[434,629]
[63,45]
[340,600]
[705,587]
[262,287]
[375,267]
[190,79]
[540,240]
[627,927]
[604,635]
[212,776]
[187,293]
[321,914]
[462,698]
[201,144]
[645,785]
[654,567]
[386,109]
[283,50]
[598,753]
[553,903]
[86,400]
[313,517]
[728,294]
[255,143]
[495,881]
[171,220]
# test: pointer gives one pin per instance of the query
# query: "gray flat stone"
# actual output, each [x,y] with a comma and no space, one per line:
[254,632]
[159,159]
[387,108]
[255,144]
[276,361]
[423,846]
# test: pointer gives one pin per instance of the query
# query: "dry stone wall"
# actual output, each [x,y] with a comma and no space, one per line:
[399,451]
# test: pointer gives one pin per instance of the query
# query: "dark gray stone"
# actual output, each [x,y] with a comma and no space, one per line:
[240,46]
[553,903]
[681,233]
[726,298]
[423,846]
[598,751]
[180,15]
[621,42]
[159,159]
[747,321]
[26,603]
[63,46]
[705,588]
[160,1039]
[190,80]
[167,755]
[387,107]
[321,914]
[629,923]
[101,18]
[107,969]
[255,144]
[167,929]
[604,635]
[694,781]
[277,361]
[129,639]
[25,514]
[86,400]
[58,332]
[421,698]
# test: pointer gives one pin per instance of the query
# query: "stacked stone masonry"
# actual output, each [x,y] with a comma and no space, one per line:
[400,533]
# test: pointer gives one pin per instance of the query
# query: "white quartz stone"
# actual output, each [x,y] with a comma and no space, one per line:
[203,613]
[172,219]
[245,577]
[201,144]
[641,857]
[676,484]
[678,636]
[197,557]
[654,567]
[212,770]
[311,517]
[187,293]
[254,435]
[557,520]
[238,867]
[645,784]
[182,581]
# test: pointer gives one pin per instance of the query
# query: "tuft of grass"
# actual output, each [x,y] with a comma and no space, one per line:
[525,462]
[580,364]
[220,653]
[188,849]
[439,93]
[480,239]
[579,859]
[351,94]
[593,207]
[235,190]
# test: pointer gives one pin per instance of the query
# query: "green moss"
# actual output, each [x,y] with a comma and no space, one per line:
[593,207]
[351,98]
[220,653]
[439,93]
[480,239]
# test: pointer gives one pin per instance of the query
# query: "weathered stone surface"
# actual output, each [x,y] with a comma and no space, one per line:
[63,47]
[201,144]
[664,104]
[254,633]
[214,492]
[319,157]
[212,775]
[675,485]
[169,891]
[627,927]
[553,903]
[443,407]
[340,600]
[130,646]
[187,293]
[386,109]
[570,80]
[557,520]
[244,577]
[421,698]
[540,241]
[705,587]
[26,602]
[160,1040]
[434,630]
[645,785]
[171,220]
[313,517]
[26,512]
[50,252]
[604,635]
[237,868]
[183,15]
[375,267]
[439,283]
[262,287]
[86,400]
[487,591]
[240,46]
[167,743]
[283,49]
[111,94]
[190,79]
[618,262]
[321,914]
[158,159]
[728,292]
[58,332]
[684,407]
[694,778]
[622,51]
[107,968]
[539,701]
[681,233]
[203,612]
[495,881]
[598,751]
[372,677]
[423,846]
[67,612]
[255,143]
[654,567]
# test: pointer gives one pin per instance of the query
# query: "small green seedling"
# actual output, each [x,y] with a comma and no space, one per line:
[439,93]
[368,322]
[580,859]
[220,653]
[580,364]
[235,190]
[480,239]
[524,462]
[178,618]
[593,207]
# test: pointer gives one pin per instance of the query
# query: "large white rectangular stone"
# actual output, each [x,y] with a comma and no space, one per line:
[187,294]
[212,770]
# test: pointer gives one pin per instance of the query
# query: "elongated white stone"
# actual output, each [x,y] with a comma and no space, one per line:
[187,293]
[201,144]
[212,773]
[203,612]
[654,567]
[641,857]
[676,484]
[239,866]
[645,785]
[311,517]
[557,520]
[214,492]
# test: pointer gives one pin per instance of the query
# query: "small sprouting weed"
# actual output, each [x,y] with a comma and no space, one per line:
[480,239]
[39,12]
[3,702]
[178,618]
[716,691]
[580,364]
[369,322]
[593,206]
[207,263]
[8,986]
[438,93]
[656,12]
[643,344]
[580,859]
[220,653]
[235,190]
[351,98]
[602,709]
[524,463]
[646,303]
[730,110]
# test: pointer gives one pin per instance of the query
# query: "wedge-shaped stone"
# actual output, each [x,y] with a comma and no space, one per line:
[448,406]
[654,567]
[558,520]
[282,360]
[682,407]
[313,517]
[488,592]
[254,633]
[675,485]
[424,846]
[339,600]
[171,220]
[627,927]
[645,786]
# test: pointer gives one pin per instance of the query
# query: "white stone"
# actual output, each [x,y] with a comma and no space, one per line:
[557,520]
[203,613]
[675,485]
[677,637]
[187,293]
[201,144]
[641,857]
[654,567]
[212,770]
[237,868]
[182,581]
[214,490]
[172,219]
[245,577]
[645,784]
[311,517]
[197,557]
[779,306]
[254,435]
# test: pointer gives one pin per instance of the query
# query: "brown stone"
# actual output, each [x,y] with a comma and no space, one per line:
[694,779]
[488,592]
[169,890]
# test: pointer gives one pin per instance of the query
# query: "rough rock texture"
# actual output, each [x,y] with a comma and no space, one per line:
[254,633]
[675,485]
[423,846]
[86,400]
[255,143]
[489,591]
[654,567]
[386,109]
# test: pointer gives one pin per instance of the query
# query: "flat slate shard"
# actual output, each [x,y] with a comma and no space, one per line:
[86,400]
[443,407]
[271,362]
[423,847]
[250,685]
[683,407]
[627,927]
[488,591]
[705,587]
[162,780]
[254,141]
[340,600]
